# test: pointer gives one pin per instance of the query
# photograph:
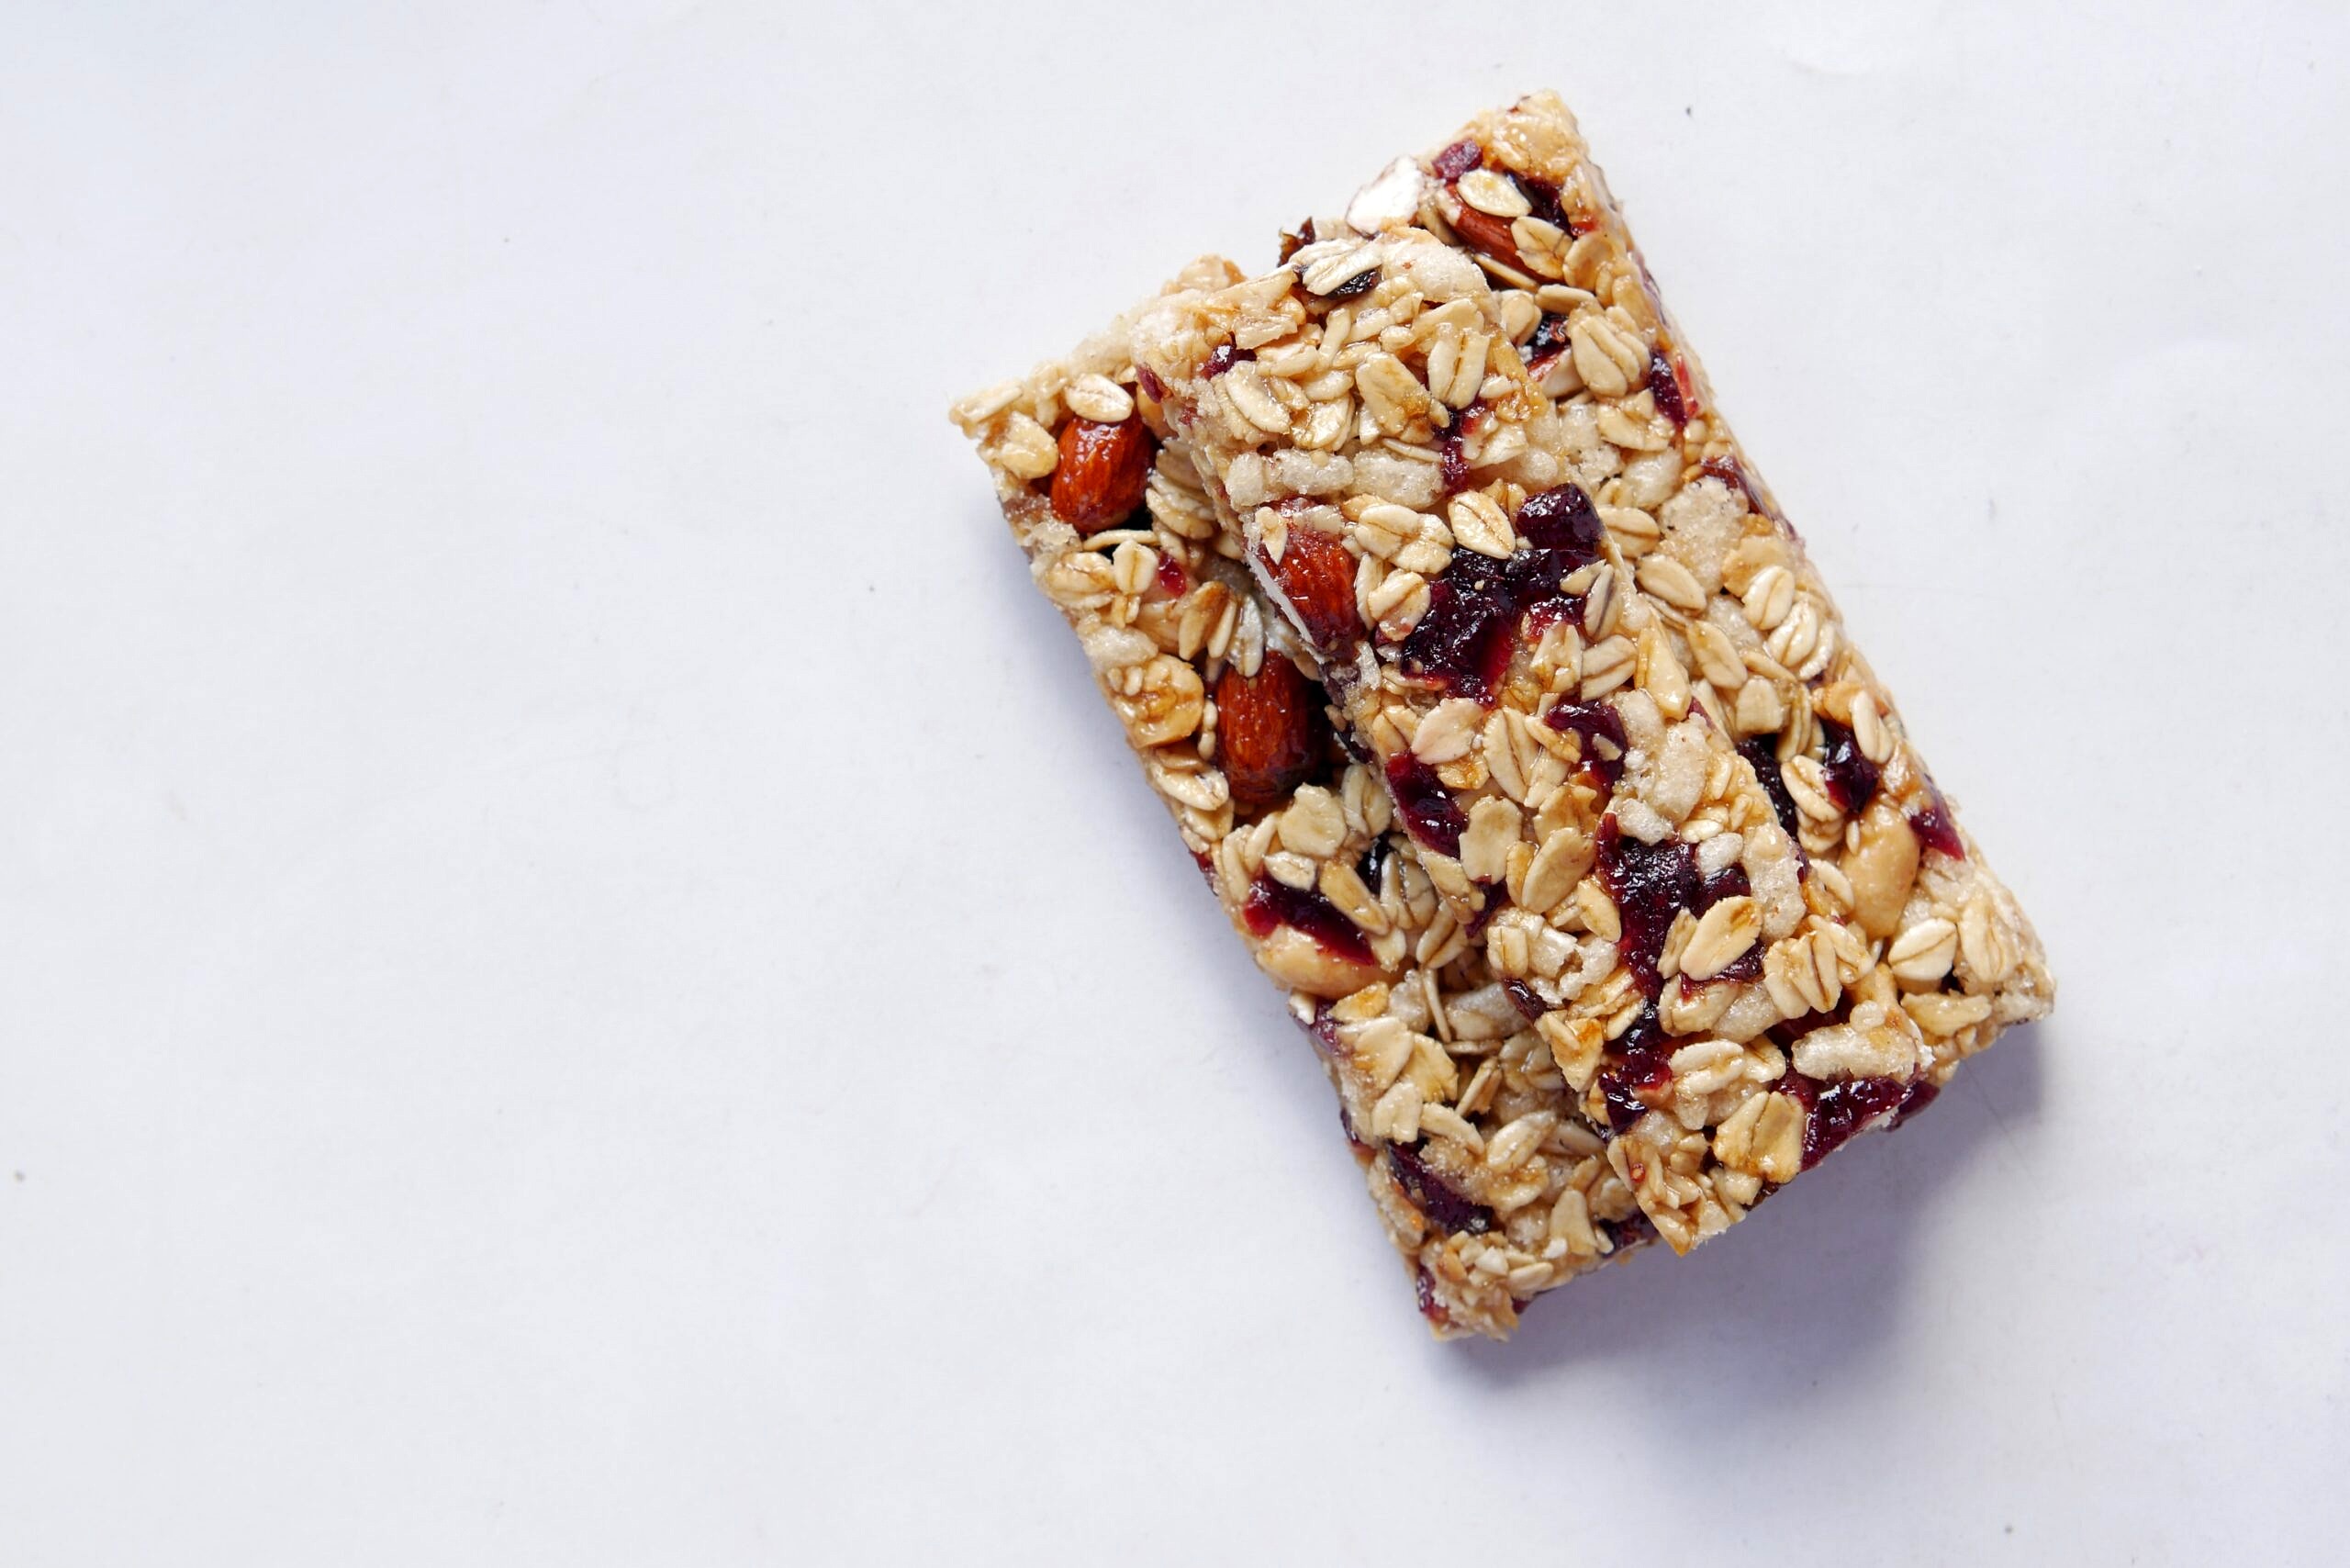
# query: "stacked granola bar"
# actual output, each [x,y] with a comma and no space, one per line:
[1508,720]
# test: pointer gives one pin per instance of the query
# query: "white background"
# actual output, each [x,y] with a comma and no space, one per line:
[583,979]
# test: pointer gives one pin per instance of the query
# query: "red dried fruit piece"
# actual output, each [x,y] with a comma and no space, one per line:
[1934,825]
[1445,1207]
[1550,338]
[1639,1070]
[1457,159]
[1664,386]
[1836,1111]
[1221,358]
[1316,576]
[1452,457]
[1762,753]
[1466,637]
[1635,1230]
[1562,520]
[1428,808]
[1852,777]
[1650,883]
[1270,732]
[1526,999]
[1423,1287]
[1103,470]
[1728,470]
[1272,904]
[1921,1094]
[1543,197]
[1324,1033]
[1787,1031]
[1601,732]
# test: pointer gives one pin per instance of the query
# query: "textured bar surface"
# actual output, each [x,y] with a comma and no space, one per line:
[1668,907]
[1296,839]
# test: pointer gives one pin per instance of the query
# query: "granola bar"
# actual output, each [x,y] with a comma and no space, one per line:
[1674,818]
[1220,700]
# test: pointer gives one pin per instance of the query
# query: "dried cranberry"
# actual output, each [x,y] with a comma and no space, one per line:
[1635,1231]
[1602,734]
[1728,471]
[1551,612]
[1373,863]
[1549,337]
[1424,1286]
[1292,243]
[1272,904]
[1644,1046]
[1838,1110]
[1762,751]
[1543,197]
[1446,1209]
[1745,966]
[1785,1033]
[1650,883]
[1474,927]
[1356,286]
[1429,809]
[1222,357]
[1324,1033]
[1172,578]
[1452,457]
[1666,388]
[1852,777]
[1622,1109]
[1526,999]
[1730,883]
[1637,1066]
[1464,639]
[1624,1106]
[1921,1094]
[1563,522]
[1457,159]
[1934,827]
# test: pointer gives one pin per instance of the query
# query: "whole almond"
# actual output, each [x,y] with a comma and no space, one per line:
[1483,231]
[1270,732]
[1102,474]
[1316,576]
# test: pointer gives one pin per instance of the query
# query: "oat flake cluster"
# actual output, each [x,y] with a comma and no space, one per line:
[1506,716]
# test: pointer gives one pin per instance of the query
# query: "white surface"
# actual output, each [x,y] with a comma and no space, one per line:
[585,981]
